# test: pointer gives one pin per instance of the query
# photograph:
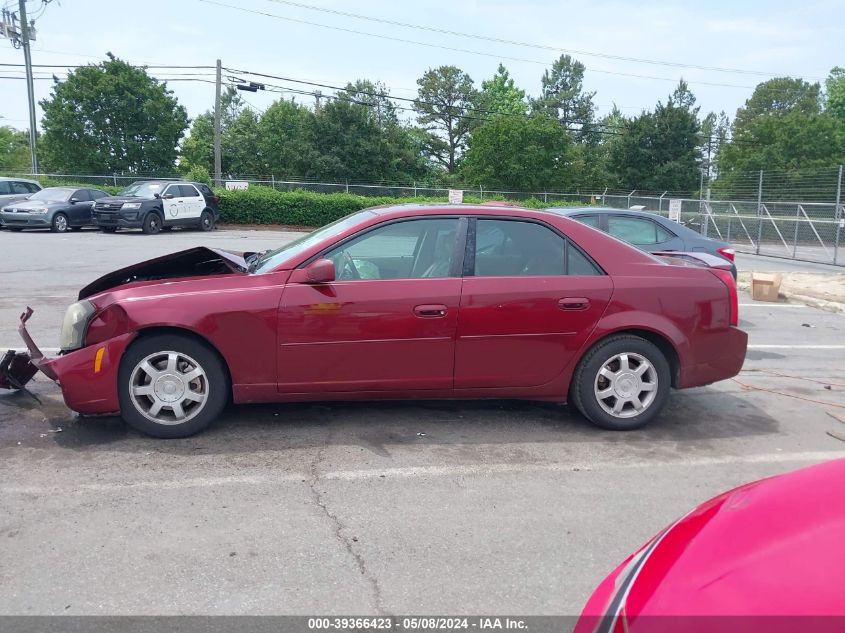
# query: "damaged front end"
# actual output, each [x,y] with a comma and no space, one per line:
[18,368]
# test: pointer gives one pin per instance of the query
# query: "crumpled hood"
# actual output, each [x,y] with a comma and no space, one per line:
[193,262]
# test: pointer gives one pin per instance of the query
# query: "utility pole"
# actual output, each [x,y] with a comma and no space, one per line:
[21,38]
[318,94]
[218,167]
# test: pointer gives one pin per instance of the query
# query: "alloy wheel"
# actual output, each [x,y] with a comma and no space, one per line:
[168,387]
[626,385]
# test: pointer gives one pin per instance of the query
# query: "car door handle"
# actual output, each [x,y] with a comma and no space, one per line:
[573,303]
[435,311]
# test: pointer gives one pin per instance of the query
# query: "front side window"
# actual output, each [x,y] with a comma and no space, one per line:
[96,194]
[20,187]
[32,187]
[81,195]
[412,249]
[173,190]
[636,231]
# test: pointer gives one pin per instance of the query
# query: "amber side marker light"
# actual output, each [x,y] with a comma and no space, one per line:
[98,360]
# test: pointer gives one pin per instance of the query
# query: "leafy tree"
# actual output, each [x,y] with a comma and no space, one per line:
[782,126]
[14,150]
[660,150]
[563,94]
[445,95]
[522,153]
[835,89]
[286,142]
[111,117]
[374,95]
[500,95]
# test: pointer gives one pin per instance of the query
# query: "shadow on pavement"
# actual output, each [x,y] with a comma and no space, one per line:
[692,417]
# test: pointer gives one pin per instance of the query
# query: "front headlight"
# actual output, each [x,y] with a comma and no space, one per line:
[130,205]
[74,324]
[39,210]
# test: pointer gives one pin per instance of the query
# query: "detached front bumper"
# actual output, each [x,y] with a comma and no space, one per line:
[87,376]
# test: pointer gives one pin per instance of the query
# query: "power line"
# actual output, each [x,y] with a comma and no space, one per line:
[460,50]
[499,40]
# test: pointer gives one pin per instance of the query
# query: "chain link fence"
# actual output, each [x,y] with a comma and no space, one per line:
[792,214]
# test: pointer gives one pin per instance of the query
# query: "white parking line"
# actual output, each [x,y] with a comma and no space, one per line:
[422,472]
[771,305]
[796,347]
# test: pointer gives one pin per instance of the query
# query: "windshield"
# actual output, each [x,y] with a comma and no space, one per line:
[143,189]
[271,259]
[53,193]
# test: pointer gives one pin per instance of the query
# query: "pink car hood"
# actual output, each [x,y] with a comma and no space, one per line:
[773,547]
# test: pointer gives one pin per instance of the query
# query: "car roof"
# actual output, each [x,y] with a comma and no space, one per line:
[439,208]
[12,178]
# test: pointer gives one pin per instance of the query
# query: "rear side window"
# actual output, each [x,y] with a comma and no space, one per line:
[637,231]
[188,191]
[515,248]
[589,220]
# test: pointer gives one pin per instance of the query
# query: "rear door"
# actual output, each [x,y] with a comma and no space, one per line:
[530,298]
[193,200]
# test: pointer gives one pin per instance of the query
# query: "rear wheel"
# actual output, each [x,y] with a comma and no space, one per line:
[622,383]
[152,223]
[171,386]
[206,221]
[59,223]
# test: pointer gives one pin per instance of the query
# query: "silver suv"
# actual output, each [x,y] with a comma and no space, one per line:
[16,189]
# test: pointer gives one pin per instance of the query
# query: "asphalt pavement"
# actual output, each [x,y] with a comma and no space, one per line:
[404,508]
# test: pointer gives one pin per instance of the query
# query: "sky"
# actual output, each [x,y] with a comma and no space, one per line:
[751,40]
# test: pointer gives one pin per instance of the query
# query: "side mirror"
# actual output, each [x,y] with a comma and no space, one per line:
[168,196]
[74,200]
[320,271]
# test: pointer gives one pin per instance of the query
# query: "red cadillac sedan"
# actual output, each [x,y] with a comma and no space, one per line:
[423,302]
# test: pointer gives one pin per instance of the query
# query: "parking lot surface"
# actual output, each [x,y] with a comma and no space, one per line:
[404,508]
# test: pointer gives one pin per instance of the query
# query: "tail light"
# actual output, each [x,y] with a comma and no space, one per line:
[728,279]
[727,253]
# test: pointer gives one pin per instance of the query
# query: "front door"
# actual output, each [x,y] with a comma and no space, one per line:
[388,321]
[529,301]
[173,203]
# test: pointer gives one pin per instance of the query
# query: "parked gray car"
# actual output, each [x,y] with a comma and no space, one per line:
[56,208]
[649,231]
[15,189]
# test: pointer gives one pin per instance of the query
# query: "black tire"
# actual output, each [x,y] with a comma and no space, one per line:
[216,384]
[586,383]
[59,223]
[16,230]
[167,228]
[108,229]
[152,223]
[207,221]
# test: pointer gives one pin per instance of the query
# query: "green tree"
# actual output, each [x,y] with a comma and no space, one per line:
[286,142]
[500,95]
[445,96]
[835,89]
[14,150]
[660,150]
[563,94]
[522,153]
[111,117]
[782,127]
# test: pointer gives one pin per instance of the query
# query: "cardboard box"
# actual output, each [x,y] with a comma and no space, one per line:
[765,286]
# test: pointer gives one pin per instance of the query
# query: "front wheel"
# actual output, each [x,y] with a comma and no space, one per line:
[622,383]
[151,224]
[59,223]
[171,386]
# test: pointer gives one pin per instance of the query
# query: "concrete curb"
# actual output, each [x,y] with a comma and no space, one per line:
[793,297]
